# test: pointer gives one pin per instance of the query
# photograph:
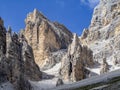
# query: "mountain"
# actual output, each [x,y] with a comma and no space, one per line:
[17,64]
[102,36]
[31,54]
[75,60]
[47,56]
[45,37]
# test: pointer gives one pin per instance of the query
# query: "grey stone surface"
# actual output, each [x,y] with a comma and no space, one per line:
[17,63]
[75,61]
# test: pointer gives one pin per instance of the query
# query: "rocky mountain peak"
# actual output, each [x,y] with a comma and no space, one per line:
[103,34]
[1,22]
[105,21]
[75,41]
[35,17]
[9,30]
[75,60]
[74,45]
[50,47]
[36,14]
[105,14]
[45,36]
[17,64]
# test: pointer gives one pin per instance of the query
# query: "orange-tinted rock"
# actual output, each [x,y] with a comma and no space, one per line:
[45,37]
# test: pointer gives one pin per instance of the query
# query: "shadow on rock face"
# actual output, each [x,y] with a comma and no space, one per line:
[47,76]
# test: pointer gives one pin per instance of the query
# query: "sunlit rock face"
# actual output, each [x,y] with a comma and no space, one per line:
[45,37]
[103,34]
[74,62]
[105,21]
[44,43]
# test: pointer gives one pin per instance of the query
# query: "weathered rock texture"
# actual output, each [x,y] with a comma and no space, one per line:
[3,68]
[2,37]
[54,58]
[59,82]
[104,67]
[46,43]
[75,61]
[45,36]
[103,34]
[17,63]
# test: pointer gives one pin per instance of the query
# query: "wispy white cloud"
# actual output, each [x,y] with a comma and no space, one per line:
[61,3]
[90,3]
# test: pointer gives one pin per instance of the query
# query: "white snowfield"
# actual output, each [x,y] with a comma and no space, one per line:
[6,86]
[44,84]
[49,83]
[54,70]
[89,81]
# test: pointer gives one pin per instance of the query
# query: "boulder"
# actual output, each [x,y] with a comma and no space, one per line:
[59,82]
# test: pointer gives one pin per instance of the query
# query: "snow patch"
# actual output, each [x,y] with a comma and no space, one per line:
[49,83]
[89,81]
[6,86]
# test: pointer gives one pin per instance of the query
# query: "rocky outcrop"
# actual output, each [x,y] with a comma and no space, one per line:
[105,21]
[13,57]
[44,43]
[59,82]
[45,36]
[3,69]
[103,34]
[31,70]
[104,66]
[3,64]
[17,63]
[21,61]
[75,61]
[54,58]
[2,36]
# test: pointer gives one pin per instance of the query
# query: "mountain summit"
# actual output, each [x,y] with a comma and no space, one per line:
[103,34]
[45,37]
[47,56]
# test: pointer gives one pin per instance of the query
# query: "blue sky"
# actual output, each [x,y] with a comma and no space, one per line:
[74,14]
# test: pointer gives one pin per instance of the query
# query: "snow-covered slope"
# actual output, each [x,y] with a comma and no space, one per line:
[46,84]
[99,48]
[89,81]
[50,84]
[6,86]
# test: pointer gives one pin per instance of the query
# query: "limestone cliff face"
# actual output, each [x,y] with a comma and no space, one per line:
[45,36]
[105,21]
[103,34]
[17,63]
[20,60]
[76,59]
